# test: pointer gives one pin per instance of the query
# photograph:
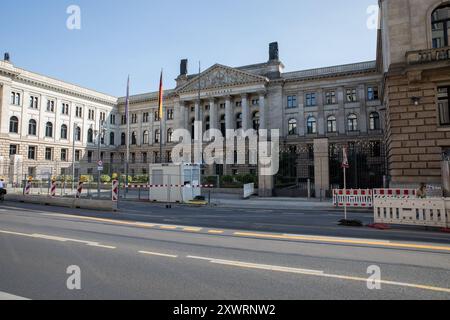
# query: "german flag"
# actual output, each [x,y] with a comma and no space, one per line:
[161,95]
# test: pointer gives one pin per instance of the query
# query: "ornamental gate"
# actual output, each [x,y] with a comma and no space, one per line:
[367,160]
[296,171]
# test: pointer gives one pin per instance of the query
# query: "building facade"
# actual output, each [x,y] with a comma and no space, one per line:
[414,56]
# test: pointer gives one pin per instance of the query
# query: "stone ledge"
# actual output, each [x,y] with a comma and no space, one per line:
[102,205]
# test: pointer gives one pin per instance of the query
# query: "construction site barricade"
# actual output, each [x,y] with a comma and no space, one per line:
[395,193]
[53,188]
[356,198]
[417,212]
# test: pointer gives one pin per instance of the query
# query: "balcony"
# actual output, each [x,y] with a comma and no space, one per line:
[428,56]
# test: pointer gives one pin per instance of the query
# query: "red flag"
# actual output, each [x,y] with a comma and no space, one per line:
[345,163]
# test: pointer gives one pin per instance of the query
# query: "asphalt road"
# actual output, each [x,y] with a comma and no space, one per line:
[129,258]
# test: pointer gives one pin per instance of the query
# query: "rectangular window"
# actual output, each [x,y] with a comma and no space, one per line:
[134,118]
[79,112]
[330,97]
[34,102]
[63,154]
[77,155]
[351,95]
[112,119]
[291,102]
[123,120]
[255,102]
[91,114]
[12,149]
[372,93]
[444,105]
[48,154]
[90,156]
[102,116]
[310,99]
[51,105]
[238,103]
[170,114]
[32,153]
[145,117]
[15,98]
[65,109]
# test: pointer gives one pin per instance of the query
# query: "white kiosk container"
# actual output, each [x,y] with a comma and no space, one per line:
[173,183]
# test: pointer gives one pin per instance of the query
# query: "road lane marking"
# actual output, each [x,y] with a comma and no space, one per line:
[315,273]
[192,229]
[257,266]
[158,254]
[379,243]
[168,227]
[7,296]
[56,238]
[215,231]
[342,240]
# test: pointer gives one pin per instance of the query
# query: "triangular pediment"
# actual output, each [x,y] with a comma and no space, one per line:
[219,76]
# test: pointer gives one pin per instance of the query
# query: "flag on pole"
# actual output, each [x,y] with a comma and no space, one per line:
[345,163]
[161,96]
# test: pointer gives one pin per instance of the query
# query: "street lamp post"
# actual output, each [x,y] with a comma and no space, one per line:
[100,135]
[75,126]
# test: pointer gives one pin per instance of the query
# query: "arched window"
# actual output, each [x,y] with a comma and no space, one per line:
[111,139]
[78,134]
[256,120]
[133,139]
[49,130]
[157,136]
[64,132]
[32,127]
[223,127]
[14,125]
[311,125]
[90,136]
[374,121]
[331,124]
[170,135]
[292,127]
[123,139]
[145,137]
[239,121]
[352,122]
[440,26]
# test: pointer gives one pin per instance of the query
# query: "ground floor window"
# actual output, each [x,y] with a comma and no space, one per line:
[444,105]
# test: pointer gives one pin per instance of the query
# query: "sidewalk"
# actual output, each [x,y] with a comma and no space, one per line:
[277,203]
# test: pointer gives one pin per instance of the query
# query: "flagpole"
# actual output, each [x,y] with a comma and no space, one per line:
[127,115]
[161,117]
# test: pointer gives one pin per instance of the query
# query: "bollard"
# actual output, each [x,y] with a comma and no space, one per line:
[79,190]
[115,191]
[53,188]
[27,188]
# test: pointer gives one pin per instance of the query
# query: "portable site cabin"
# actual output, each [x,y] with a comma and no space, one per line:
[174,183]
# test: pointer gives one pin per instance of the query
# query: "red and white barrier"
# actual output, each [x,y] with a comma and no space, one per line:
[79,190]
[170,186]
[353,198]
[53,188]
[394,193]
[115,191]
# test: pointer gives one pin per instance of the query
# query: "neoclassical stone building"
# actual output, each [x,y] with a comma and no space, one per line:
[392,113]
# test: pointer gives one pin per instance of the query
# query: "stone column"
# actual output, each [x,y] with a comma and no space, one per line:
[177,115]
[341,118]
[229,118]
[262,111]
[321,167]
[245,113]
[213,114]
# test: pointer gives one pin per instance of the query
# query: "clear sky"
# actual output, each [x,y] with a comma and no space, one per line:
[139,37]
